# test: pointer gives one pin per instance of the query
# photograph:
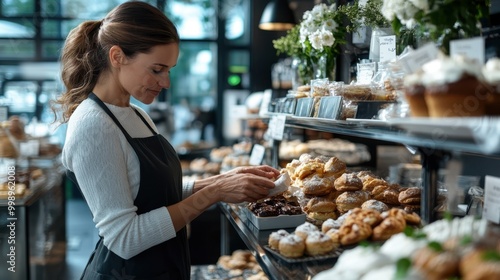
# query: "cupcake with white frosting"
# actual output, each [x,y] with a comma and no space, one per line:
[414,90]
[491,73]
[454,87]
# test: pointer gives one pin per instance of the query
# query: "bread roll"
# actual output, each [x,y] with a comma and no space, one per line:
[410,196]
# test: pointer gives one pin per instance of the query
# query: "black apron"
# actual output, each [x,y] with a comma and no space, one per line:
[160,186]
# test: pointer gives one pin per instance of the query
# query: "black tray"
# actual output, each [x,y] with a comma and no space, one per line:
[332,255]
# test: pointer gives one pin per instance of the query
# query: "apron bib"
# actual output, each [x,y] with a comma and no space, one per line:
[160,186]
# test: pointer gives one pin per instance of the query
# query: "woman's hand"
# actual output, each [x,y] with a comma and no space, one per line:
[242,184]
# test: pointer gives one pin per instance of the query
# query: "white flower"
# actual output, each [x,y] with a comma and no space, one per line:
[404,10]
[317,27]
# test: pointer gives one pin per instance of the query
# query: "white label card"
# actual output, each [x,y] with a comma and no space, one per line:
[491,210]
[472,48]
[257,155]
[415,59]
[277,126]
[387,48]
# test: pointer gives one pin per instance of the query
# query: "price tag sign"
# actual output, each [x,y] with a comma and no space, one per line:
[387,48]
[491,208]
[415,59]
[472,48]
[277,126]
[330,107]
[257,155]
[304,107]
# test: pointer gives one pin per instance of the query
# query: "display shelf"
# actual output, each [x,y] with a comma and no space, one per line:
[256,240]
[473,135]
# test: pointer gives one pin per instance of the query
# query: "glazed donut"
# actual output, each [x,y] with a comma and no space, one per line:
[320,204]
[329,224]
[317,185]
[275,237]
[350,200]
[410,196]
[375,205]
[318,243]
[304,229]
[334,167]
[292,246]
[353,232]
[371,182]
[348,182]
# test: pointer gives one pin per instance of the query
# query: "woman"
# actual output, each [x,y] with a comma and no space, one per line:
[130,175]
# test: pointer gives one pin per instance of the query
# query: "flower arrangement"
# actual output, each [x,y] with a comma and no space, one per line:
[440,20]
[317,37]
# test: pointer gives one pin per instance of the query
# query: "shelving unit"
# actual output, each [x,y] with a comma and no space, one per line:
[436,140]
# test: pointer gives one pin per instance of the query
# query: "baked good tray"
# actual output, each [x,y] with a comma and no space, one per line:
[332,255]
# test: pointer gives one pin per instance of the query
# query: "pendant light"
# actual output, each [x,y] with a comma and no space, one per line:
[277,16]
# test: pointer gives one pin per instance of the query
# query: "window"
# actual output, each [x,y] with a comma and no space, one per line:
[35,30]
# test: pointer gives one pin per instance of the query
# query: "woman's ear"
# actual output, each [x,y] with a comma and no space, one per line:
[116,56]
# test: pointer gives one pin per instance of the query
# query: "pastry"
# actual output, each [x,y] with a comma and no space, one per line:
[292,246]
[480,263]
[304,229]
[367,216]
[334,235]
[369,183]
[387,194]
[393,223]
[334,167]
[318,243]
[411,196]
[436,264]
[414,91]
[348,182]
[350,200]
[353,232]
[329,224]
[317,185]
[320,204]
[454,87]
[307,168]
[491,73]
[320,217]
[275,237]
[375,205]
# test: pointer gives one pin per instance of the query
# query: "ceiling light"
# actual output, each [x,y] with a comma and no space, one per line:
[277,16]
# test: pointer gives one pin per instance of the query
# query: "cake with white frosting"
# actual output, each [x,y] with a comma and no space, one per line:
[454,87]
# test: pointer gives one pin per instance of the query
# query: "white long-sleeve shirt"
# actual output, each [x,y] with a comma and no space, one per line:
[108,172]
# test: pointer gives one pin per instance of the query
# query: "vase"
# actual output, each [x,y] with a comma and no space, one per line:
[302,72]
[324,68]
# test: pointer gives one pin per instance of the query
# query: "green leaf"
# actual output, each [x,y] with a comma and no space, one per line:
[436,246]
[402,268]
[491,255]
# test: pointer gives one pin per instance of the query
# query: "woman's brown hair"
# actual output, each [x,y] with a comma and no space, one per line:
[134,26]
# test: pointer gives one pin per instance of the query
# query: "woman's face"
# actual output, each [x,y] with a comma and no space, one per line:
[145,75]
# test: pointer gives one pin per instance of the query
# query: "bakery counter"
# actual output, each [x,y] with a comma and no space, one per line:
[34,243]
[256,240]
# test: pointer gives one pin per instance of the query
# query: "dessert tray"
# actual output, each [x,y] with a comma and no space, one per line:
[332,255]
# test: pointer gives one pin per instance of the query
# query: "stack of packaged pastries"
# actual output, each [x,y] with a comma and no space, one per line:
[342,206]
